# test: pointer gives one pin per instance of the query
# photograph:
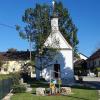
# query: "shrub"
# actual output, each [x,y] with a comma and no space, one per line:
[19,89]
[4,76]
[98,69]
[15,77]
[1,63]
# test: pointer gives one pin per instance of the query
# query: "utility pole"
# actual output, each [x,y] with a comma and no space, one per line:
[73,51]
[30,46]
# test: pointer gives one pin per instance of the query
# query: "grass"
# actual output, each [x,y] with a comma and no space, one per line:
[4,76]
[79,93]
[11,75]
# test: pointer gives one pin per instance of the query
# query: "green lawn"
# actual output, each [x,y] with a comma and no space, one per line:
[79,93]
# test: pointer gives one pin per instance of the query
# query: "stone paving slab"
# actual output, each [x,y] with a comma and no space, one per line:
[99,94]
[95,79]
[7,97]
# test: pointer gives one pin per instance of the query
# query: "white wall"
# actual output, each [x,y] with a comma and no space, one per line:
[66,63]
[56,37]
[11,65]
[64,58]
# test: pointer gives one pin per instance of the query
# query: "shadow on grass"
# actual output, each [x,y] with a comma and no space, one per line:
[36,83]
[42,83]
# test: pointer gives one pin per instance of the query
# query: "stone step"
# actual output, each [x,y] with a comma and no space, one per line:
[28,89]
[27,85]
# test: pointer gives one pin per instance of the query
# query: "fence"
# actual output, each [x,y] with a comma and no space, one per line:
[5,87]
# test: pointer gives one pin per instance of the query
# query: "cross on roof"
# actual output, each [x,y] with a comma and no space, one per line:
[53,3]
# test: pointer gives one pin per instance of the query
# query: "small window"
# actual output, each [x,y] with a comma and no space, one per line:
[99,62]
[5,69]
[94,62]
[89,64]
[13,69]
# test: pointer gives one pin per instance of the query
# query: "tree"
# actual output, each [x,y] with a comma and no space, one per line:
[37,26]
[1,63]
[12,50]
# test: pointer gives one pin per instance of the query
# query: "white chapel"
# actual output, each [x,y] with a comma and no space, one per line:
[62,66]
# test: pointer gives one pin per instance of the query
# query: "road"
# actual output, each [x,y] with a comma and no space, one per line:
[94,81]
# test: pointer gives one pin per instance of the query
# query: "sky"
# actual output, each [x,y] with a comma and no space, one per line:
[84,13]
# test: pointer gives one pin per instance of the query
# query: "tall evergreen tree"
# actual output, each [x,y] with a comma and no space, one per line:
[38,27]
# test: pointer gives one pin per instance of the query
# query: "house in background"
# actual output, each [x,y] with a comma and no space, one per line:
[80,63]
[13,61]
[82,56]
[63,62]
[94,60]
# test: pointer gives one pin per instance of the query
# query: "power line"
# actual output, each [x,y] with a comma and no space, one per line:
[5,25]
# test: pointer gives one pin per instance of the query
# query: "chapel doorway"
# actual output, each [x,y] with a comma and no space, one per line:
[57,70]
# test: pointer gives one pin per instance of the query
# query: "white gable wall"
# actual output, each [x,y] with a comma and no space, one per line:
[57,36]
